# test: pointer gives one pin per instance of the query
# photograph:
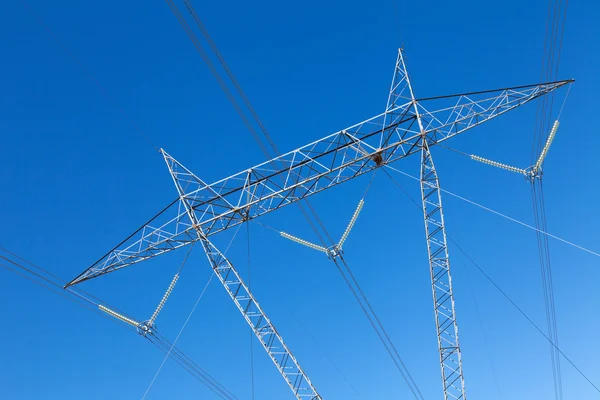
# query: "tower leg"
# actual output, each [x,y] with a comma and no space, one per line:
[261,325]
[441,281]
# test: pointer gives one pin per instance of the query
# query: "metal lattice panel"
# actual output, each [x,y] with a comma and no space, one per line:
[441,280]
[310,169]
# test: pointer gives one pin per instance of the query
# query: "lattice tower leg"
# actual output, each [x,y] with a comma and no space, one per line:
[441,281]
[261,325]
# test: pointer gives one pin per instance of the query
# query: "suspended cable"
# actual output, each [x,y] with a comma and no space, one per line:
[178,335]
[525,316]
[547,284]
[189,365]
[550,65]
[366,307]
[172,346]
[494,284]
[494,212]
[56,289]
[231,98]
[214,72]
[483,334]
[232,78]
[97,307]
[281,301]
[379,328]
[271,142]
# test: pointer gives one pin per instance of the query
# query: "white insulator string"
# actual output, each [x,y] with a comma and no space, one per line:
[303,242]
[118,316]
[187,319]
[544,152]
[361,203]
[177,337]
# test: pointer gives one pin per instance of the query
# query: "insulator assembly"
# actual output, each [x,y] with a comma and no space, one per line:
[163,300]
[497,164]
[118,316]
[361,203]
[544,152]
[304,242]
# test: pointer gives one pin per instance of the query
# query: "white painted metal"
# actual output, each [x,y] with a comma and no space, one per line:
[239,292]
[202,210]
[310,169]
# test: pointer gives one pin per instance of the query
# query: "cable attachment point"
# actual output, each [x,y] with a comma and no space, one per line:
[336,249]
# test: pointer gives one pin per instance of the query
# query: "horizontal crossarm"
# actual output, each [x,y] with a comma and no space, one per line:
[317,166]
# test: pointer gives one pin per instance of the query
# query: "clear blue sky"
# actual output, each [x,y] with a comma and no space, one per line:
[76,178]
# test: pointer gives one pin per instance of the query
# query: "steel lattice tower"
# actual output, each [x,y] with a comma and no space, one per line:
[405,128]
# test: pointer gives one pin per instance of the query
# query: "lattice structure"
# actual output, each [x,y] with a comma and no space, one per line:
[310,169]
[441,280]
[406,127]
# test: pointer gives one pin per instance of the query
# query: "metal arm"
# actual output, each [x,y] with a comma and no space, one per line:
[310,169]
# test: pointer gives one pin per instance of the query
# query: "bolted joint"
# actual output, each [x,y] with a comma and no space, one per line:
[145,328]
[334,252]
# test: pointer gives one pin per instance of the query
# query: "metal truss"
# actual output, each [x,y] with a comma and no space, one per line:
[320,165]
[437,248]
[262,327]
[406,127]
[231,280]
[441,281]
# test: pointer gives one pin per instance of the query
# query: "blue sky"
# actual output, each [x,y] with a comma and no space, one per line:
[77,177]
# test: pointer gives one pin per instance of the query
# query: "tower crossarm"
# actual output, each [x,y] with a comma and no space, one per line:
[471,109]
[317,166]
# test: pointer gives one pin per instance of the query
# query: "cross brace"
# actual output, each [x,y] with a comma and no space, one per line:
[320,165]
[441,281]
[406,127]
[262,327]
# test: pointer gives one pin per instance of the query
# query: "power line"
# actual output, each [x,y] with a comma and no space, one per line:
[553,41]
[379,329]
[560,239]
[400,365]
[189,365]
[56,286]
[303,327]
[178,336]
[485,338]
[525,316]
[554,345]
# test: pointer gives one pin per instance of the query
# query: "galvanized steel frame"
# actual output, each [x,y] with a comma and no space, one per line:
[405,128]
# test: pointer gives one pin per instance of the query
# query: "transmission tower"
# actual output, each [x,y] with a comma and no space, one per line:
[406,127]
